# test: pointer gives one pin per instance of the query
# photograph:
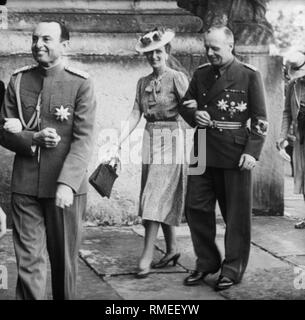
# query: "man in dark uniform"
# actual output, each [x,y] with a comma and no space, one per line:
[56,106]
[222,96]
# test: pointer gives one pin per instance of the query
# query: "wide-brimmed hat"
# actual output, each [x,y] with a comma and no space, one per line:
[294,61]
[154,40]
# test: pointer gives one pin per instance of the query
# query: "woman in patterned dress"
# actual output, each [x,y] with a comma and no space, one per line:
[163,182]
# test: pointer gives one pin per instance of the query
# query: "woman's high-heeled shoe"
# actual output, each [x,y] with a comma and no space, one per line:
[164,262]
[143,273]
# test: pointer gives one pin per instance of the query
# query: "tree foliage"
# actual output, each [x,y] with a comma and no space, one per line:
[289,27]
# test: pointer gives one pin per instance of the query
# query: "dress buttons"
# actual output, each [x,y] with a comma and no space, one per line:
[222,118]
[220,130]
[227,96]
[205,106]
[204,94]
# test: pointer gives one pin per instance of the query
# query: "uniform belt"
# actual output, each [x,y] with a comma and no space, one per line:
[227,125]
[151,118]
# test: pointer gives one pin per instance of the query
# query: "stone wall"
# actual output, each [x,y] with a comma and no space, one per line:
[102,43]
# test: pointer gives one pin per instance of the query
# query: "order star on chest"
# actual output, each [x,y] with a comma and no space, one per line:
[222,105]
[241,106]
[62,113]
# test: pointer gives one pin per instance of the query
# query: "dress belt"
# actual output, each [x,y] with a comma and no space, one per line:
[152,118]
[226,125]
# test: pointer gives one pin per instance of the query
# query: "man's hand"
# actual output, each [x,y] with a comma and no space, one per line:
[281,144]
[2,223]
[192,104]
[202,118]
[64,196]
[12,125]
[246,162]
[46,138]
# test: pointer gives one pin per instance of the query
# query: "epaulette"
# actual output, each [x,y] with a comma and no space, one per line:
[24,69]
[204,65]
[77,72]
[249,66]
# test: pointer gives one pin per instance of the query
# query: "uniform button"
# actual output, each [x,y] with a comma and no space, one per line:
[204,94]
[227,96]
[222,118]
[220,130]
[205,106]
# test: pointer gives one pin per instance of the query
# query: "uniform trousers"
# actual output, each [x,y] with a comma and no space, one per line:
[233,190]
[39,227]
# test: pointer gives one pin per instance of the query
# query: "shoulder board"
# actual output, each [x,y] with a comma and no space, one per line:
[249,66]
[204,65]
[24,69]
[77,72]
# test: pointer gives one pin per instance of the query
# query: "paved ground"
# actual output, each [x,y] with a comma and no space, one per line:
[108,262]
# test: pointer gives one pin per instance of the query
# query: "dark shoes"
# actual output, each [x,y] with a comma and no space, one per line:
[165,261]
[195,278]
[223,283]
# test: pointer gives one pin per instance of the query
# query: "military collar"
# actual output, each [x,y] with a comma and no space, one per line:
[232,69]
[46,72]
[223,69]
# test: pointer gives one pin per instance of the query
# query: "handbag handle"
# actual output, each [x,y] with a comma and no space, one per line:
[115,163]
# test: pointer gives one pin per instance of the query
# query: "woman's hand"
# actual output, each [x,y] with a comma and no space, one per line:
[12,125]
[2,223]
[192,104]
[281,144]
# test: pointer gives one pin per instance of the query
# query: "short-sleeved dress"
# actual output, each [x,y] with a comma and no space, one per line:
[164,172]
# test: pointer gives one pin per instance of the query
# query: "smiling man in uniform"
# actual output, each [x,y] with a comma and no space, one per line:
[56,106]
[222,96]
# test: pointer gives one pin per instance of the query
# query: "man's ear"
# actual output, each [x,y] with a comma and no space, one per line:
[66,44]
[231,45]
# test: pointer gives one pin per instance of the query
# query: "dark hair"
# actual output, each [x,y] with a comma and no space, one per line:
[168,48]
[227,32]
[64,32]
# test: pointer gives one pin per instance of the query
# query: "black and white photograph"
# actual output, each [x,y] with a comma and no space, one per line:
[152,152]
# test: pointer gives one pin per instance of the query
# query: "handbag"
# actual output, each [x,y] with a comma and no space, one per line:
[103,178]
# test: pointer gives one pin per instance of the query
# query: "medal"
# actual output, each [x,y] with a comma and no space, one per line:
[62,113]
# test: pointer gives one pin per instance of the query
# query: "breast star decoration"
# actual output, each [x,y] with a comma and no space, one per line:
[223,105]
[241,106]
[62,113]
[232,108]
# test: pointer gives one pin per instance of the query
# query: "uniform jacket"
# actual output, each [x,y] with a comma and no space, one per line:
[65,89]
[237,96]
[295,97]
